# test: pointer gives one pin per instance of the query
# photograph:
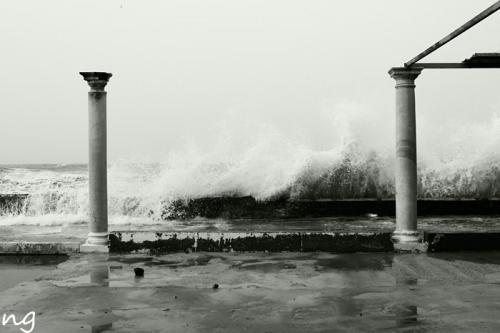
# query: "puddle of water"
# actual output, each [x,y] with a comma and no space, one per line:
[318,291]
[353,262]
[267,267]
[17,269]
[131,259]
[200,260]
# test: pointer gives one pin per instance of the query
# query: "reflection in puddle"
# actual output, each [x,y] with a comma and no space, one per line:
[101,328]
[354,262]
[406,315]
[36,260]
[405,312]
[267,267]
[99,276]
[199,260]
[16,269]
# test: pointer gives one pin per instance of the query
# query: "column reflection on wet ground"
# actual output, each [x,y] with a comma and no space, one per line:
[405,310]
[99,276]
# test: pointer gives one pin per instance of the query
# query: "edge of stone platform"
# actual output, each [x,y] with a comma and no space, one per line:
[34,248]
[164,242]
[335,242]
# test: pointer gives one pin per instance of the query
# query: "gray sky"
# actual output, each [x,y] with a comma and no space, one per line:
[185,71]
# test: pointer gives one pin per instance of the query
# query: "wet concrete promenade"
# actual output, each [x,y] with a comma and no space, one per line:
[264,292]
[336,234]
[77,231]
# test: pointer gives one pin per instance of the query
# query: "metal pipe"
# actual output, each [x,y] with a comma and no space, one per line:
[478,18]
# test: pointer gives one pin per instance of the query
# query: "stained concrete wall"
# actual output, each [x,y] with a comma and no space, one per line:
[248,207]
[236,241]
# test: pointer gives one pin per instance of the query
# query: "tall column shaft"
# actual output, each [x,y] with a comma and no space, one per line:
[97,240]
[406,157]
[98,192]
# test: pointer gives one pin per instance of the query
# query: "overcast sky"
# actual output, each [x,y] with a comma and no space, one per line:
[183,71]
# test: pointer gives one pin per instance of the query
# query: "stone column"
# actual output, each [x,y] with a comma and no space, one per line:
[97,240]
[406,237]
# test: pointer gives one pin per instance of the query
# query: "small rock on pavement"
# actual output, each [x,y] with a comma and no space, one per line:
[139,272]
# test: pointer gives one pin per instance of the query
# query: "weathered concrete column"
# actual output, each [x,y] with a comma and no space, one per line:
[97,240]
[406,237]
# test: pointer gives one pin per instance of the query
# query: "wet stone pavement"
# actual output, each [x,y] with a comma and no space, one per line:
[263,292]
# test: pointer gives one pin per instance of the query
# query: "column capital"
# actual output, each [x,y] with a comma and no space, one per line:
[96,80]
[405,77]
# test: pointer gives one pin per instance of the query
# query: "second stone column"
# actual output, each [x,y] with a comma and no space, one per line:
[406,236]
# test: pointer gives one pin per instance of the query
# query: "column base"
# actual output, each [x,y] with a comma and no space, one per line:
[93,248]
[408,241]
[97,242]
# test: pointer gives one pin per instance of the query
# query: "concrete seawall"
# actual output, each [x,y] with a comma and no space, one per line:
[12,203]
[249,241]
[248,207]
[333,234]
[349,242]
[172,242]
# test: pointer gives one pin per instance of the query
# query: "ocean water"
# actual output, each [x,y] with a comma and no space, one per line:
[264,163]
[138,192]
